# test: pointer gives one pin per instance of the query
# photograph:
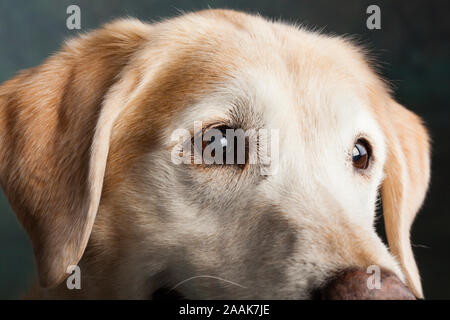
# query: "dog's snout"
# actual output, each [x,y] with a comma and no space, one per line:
[355,284]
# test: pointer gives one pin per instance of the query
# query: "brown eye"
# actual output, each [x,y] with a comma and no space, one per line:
[361,154]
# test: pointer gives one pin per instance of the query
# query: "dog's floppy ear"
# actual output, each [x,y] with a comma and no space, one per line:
[407,173]
[54,140]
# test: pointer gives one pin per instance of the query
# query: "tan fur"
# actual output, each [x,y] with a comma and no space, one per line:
[83,124]
[407,173]
[49,117]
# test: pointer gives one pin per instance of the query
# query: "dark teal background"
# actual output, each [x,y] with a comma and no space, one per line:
[412,48]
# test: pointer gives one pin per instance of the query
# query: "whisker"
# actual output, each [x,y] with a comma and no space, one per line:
[207,276]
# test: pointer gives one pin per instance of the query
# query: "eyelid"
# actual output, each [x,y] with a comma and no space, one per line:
[219,125]
[208,125]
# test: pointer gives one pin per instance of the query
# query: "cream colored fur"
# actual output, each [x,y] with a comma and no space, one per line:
[86,145]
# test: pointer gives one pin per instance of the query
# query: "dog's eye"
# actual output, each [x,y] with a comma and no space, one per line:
[228,146]
[361,154]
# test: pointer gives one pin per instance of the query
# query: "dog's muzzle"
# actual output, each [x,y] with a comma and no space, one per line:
[351,284]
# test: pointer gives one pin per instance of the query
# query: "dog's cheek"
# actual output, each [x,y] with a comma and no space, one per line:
[216,187]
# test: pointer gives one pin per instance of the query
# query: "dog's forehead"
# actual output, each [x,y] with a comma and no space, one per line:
[270,67]
[200,66]
[272,95]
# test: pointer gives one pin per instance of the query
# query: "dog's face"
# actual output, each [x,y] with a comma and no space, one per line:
[252,230]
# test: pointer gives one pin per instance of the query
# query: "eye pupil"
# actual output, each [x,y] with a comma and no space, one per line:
[361,154]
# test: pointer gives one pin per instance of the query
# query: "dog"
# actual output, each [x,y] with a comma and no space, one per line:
[86,164]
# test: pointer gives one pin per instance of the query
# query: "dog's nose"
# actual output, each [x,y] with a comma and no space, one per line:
[359,285]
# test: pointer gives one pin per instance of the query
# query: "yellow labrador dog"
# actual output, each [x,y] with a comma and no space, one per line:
[87,164]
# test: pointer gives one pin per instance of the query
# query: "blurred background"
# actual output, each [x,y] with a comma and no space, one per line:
[412,47]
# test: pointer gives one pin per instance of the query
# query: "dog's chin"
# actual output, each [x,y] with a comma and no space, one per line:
[167,294]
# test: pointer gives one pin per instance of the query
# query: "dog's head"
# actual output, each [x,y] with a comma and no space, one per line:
[88,146]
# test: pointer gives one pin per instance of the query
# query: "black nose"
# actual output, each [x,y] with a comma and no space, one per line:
[353,284]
